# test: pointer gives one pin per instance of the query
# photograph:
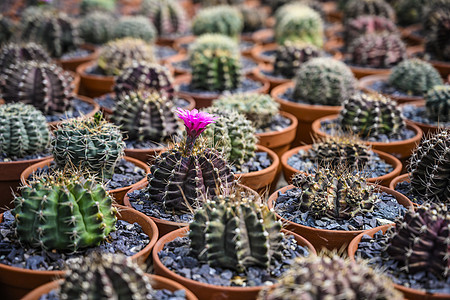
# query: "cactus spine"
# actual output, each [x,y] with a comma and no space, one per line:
[290,56]
[96,27]
[13,53]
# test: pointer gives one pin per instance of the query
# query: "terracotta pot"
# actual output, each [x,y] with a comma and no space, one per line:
[384,180]
[206,291]
[118,194]
[398,179]
[94,85]
[258,55]
[16,282]
[158,283]
[426,128]
[205,99]
[165,226]
[408,293]
[400,149]
[329,239]
[261,74]
[409,33]
[366,82]
[306,114]
[71,64]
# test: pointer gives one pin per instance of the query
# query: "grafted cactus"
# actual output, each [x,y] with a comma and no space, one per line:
[437,102]
[367,24]
[14,53]
[356,8]
[168,16]
[97,27]
[222,19]
[290,56]
[138,27]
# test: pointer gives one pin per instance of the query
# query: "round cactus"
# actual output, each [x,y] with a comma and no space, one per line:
[367,25]
[97,27]
[6,29]
[236,233]
[87,6]
[168,16]
[433,12]
[377,50]
[356,8]
[23,130]
[91,144]
[414,77]
[64,212]
[430,168]
[253,19]
[437,28]
[408,11]
[290,56]
[138,27]
[145,115]
[13,53]
[437,102]
[215,63]
[46,86]
[286,6]
[120,54]
[324,81]
[222,19]
[331,277]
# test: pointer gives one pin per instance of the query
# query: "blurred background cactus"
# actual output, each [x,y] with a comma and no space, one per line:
[368,24]
[254,19]
[168,16]
[13,53]
[138,27]
[222,19]
[290,56]
[87,6]
[6,29]
[408,11]
[356,8]
[437,101]
[97,27]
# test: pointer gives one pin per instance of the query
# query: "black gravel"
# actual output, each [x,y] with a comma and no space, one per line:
[109,102]
[277,123]
[385,211]
[269,54]
[128,239]
[259,162]
[306,161]
[247,85]
[5,158]
[247,65]
[404,188]
[76,54]
[384,87]
[419,114]
[163,52]
[176,256]
[272,75]
[79,108]
[156,294]
[95,70]
[372,249]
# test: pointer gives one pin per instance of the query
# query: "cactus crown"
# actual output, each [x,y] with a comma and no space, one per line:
[260,109]
[168,16]
[420,240]
[14,53]
[46,86]
[371,115]
[215,63]
[221,19]
[290,56]
[429,167]
[91,144]
[145,115]
[97,27]
[367,24]
[345,279]
[64,211]
[236,233]
[324,81]
[118,55]
[414,76]
[356,8]
[105,276]
[23,130]
[437,101]
[138,27]
[335,193]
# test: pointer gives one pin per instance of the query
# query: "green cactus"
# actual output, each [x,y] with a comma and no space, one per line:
[138,27]
[356,8]
[408,11]
[91,144]
[260,109]
[414,77]
[236,233]
[44,85]
[222,19]
[23,130]
[168,16]
[215,63]
[371,116]
[6,29]
[437,101]
[97,27]
[324,81]
[334,193]
[13,53]
[105,276]
[331,277]
[145,115]
[290,56]
[430,168]
[64,212]
[120,54]
[88,6]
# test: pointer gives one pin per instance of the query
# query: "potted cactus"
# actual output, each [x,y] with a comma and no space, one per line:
[138,27]
[96,28]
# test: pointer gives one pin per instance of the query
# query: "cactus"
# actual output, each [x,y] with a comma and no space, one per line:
[437,101]
[301,24]
[189,171]
[433,12]
[438,30]
[420,240]
[356,8]
[290,56]
[215,63]
[283,7]
[105,276]
[6,29]
[23,130]
[222,19]
[46,86]
[145,75]
[145,115]
[367,25]
[430,168]
[97,27]
[371,116]
[414,77]
[331,277]
[138,27]
[254,19]
[117,55]
[64,212]
[236,233]
[408,11]
[90,144]
[13,53]
[324,81]
[260,109]
[168,16]
[233,135]
[87,6]
[377,50]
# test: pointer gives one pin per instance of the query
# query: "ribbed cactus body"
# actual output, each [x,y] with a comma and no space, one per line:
[14,53]
[46,86]
[168,16]
[64,213]
[221,19]
[236,234]
[138,27]
[356,8]
[23,130]
[97,27]
[290,56]
[367,24]
[437,102]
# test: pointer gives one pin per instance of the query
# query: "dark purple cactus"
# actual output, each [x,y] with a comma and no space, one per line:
[367,25]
